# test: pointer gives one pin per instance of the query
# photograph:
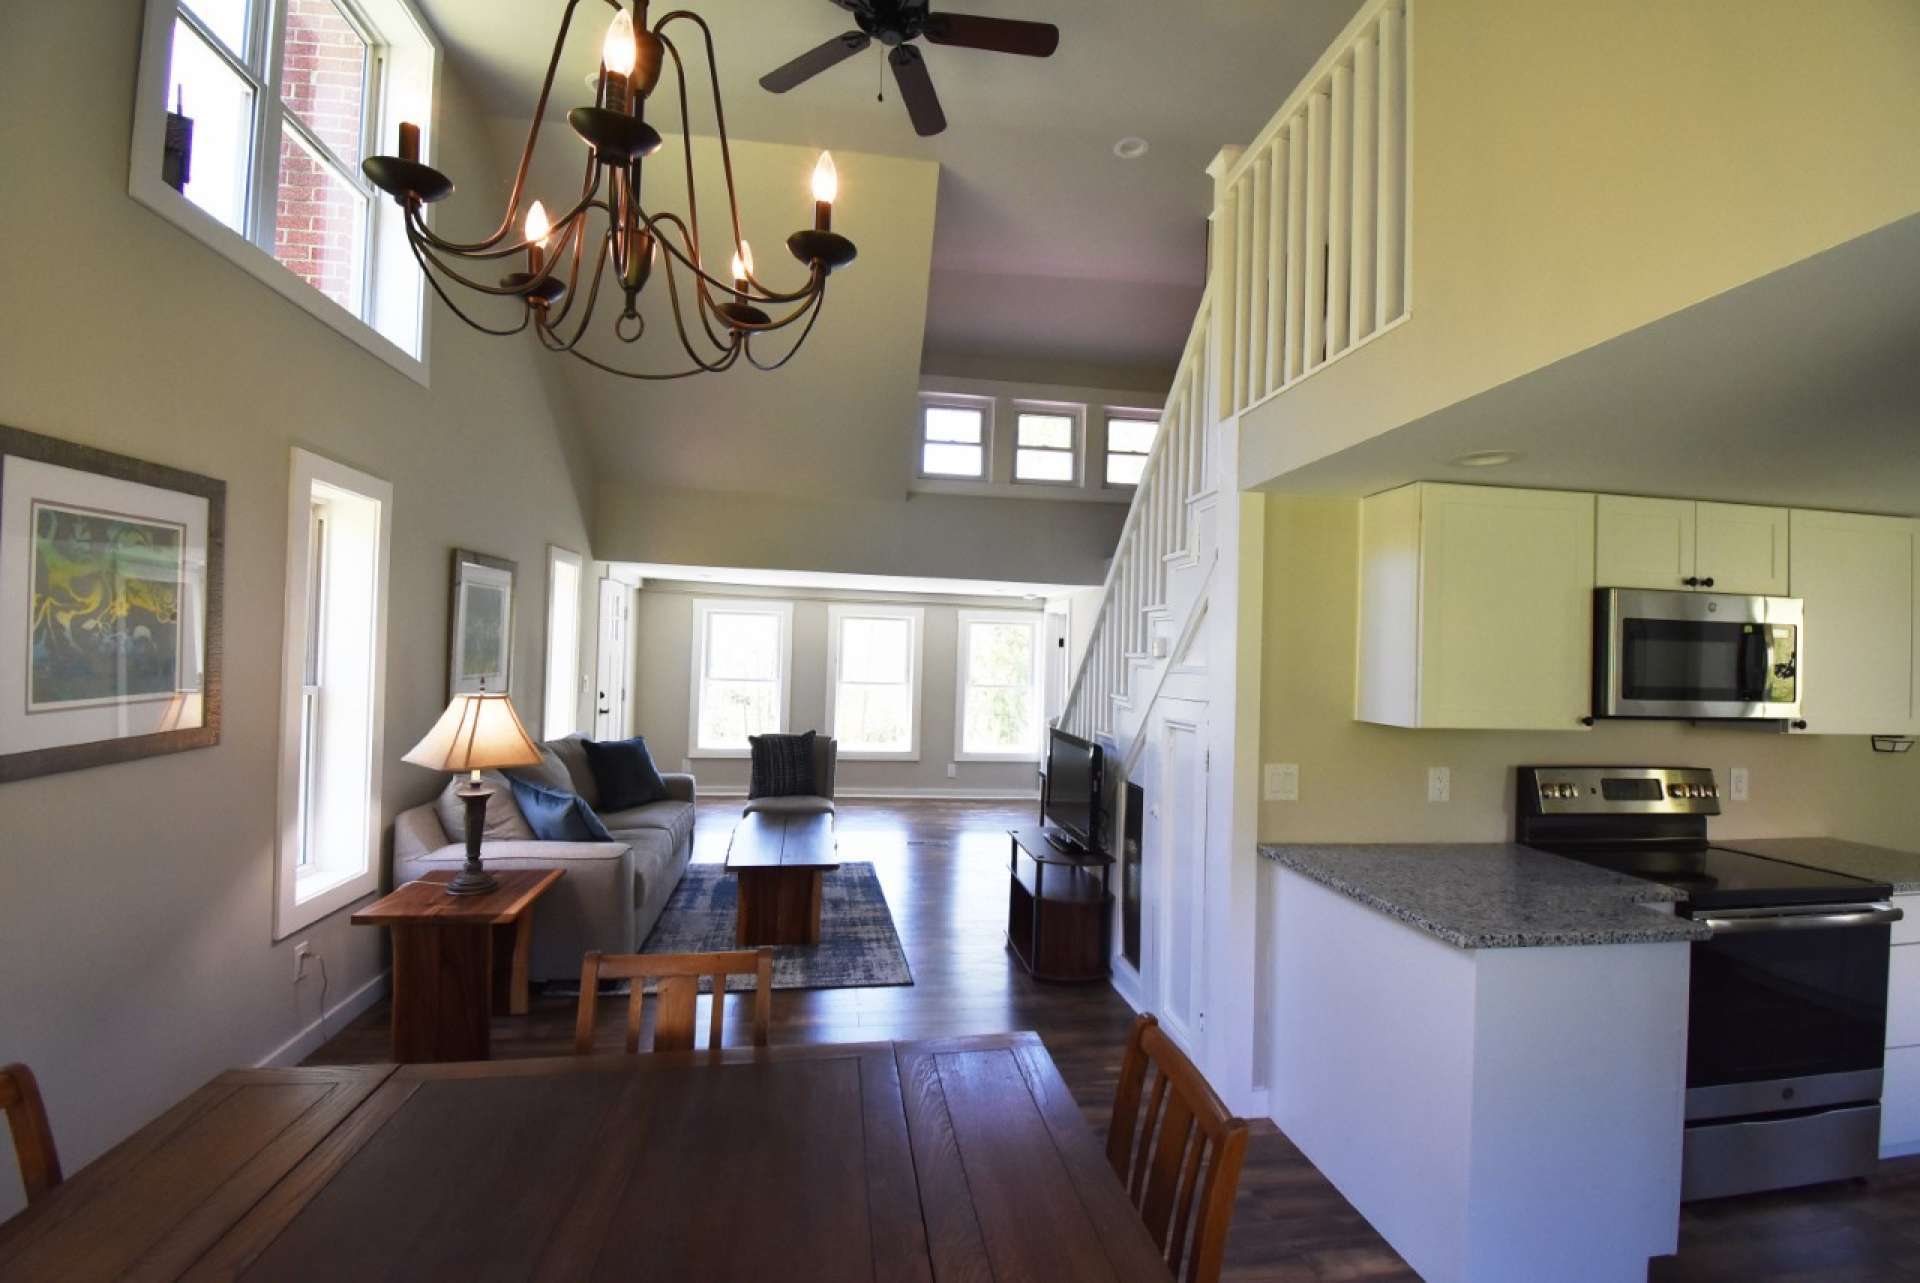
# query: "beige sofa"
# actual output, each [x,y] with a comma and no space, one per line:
[613,892]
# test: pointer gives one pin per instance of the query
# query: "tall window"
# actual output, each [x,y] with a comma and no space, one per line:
[742,660]
[1044,446]
[561,713]
[873,689]
[999,688]
[1129,442]
[334,677]
[953,439]
[259,113]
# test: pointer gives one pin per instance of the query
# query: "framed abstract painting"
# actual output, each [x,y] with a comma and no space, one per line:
[481,623]
[110,607]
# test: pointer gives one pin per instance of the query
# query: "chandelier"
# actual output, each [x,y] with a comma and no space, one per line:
[608,236]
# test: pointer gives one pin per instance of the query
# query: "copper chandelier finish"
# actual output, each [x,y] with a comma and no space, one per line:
[608,237]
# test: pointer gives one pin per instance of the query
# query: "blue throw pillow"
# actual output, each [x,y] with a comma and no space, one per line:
[558,817]
[624,772]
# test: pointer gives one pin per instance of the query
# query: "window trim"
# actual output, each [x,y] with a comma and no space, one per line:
[1076,414]
[1112,415]
[954,401]
[961,649]
[291,913]
[703,609]
[557,557]
[145,185]
[916,645]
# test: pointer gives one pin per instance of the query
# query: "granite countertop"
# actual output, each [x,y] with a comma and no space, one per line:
[1856,859]
[1493,895]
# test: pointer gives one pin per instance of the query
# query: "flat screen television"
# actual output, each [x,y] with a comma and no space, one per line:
[1073,788]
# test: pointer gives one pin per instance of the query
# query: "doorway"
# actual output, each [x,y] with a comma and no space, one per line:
[613,669]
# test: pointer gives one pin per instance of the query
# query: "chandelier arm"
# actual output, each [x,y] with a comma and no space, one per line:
[533,137]
[819,305]
[780,323]
[593,297]
[765,296]
[719,110]
[729,351]
[485,250]
[455,307]
[558,316]
[498,291]
[656,378]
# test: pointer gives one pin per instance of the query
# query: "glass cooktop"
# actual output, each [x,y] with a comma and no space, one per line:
[1715,877]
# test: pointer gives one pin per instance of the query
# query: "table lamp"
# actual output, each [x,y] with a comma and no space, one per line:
[477,732]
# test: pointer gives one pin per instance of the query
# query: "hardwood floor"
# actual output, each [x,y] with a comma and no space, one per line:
[943,868]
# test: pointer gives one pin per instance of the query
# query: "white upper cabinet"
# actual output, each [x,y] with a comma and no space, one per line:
[1680,544]
[1856,575]
[1739,548]
[1476,608]
[1644,543]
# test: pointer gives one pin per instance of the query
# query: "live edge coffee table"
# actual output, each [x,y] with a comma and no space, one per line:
[455,959]
[780,861]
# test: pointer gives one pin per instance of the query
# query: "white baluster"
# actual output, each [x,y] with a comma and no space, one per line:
[1276,263]
[1296,245]
[1366,131]
[1317,147]
[1339,206]
[1390,239]
[1260,277]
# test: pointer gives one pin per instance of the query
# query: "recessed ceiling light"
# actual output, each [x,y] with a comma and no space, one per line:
[1130,148]
[1486,459]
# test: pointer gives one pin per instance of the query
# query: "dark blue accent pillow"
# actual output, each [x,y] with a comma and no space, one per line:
[782,766]
[558,817]
[624,772]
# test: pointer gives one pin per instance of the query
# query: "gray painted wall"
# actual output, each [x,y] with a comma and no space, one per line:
[663,681]
[136,901]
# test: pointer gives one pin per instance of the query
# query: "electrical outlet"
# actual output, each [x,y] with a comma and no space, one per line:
[1282,782]
[301,952]
[1737,783]
[1439,784]
[953,771]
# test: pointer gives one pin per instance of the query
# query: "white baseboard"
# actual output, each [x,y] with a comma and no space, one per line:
[1126,982]
[882,795]
[335,1018]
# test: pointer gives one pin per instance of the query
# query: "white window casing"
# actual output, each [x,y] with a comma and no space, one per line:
[741,674]
[874,657]
[333,691]
[983,695]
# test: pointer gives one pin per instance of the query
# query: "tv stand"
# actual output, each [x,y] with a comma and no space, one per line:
[1059,907]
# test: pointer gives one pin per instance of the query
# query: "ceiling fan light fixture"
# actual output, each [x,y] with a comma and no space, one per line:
[1130,148]
[1486,459]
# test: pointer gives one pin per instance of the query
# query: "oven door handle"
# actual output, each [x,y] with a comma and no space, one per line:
[1736,921]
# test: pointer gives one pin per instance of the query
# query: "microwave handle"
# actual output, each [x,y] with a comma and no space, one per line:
[1755,660]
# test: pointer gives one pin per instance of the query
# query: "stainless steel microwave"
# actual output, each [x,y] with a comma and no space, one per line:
[1697,655]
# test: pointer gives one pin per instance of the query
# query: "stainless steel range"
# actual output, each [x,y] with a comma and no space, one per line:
[1788,1007]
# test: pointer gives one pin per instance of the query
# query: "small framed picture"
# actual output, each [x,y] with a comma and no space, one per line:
[110,607]
[481,646]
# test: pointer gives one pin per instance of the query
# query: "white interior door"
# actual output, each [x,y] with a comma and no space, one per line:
[1179,822]
[612,712]
[1057,675]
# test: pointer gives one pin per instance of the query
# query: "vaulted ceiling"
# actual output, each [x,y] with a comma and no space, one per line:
[1047,245]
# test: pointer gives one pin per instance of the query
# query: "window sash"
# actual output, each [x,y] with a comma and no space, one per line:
[843,684]
[1023,452]
[775,685]
[968,686]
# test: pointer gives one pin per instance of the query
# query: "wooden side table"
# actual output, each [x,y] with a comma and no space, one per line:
[456,959]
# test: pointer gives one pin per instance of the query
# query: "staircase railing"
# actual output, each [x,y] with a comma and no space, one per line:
[1158,533]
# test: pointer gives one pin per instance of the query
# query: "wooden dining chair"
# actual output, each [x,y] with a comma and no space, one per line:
[1180,1160]
[679,993]
[32,1136]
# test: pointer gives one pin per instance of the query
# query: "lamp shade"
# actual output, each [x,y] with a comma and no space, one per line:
[476,732]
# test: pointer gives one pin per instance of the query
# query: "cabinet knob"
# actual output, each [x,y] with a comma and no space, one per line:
[1691,581]
[1800,725]
[1586,721]
[1707,582]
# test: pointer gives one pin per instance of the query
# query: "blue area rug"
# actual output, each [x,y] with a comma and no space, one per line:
[858,944]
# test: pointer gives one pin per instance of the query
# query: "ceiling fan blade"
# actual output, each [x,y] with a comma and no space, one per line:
[916,90]
[814,61]
[1000,35]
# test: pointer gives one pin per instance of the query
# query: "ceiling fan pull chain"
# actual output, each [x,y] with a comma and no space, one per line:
[880,95]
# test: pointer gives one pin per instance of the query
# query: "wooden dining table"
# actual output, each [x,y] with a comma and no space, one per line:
[958,1159]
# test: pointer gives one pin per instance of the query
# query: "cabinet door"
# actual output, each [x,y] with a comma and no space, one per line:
[1743,549]
[1644,543]
[1506,618]
[1856,575]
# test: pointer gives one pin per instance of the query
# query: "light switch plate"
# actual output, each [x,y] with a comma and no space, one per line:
[1439,784]
[1737,784]
[1282,783]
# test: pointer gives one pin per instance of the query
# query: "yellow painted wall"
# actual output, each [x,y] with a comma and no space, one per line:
[1580,170]
[1366,783]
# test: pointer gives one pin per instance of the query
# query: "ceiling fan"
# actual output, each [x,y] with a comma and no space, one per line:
[895,24]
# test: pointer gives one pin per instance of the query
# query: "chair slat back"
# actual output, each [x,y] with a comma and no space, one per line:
[32,1134]
[1180,1158]
[677,996]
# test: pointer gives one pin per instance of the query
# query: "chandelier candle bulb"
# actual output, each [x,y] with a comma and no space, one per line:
[618,55]
[539,226]
[742,270]
[826,187]
[409,142]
